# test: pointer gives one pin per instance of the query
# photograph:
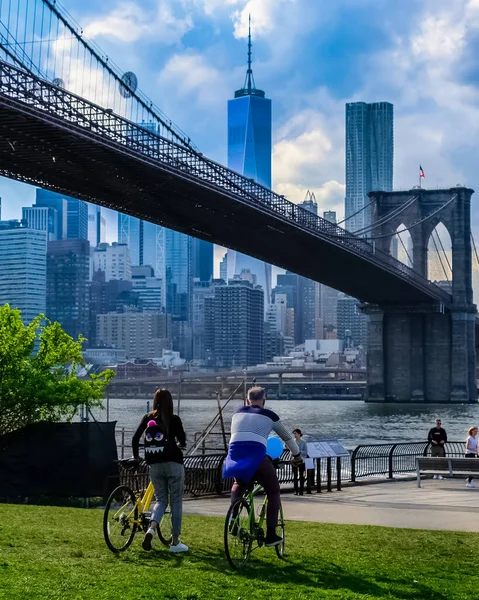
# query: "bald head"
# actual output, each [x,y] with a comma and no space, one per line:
[256,396]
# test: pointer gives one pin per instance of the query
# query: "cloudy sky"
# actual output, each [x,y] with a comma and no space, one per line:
[311,57]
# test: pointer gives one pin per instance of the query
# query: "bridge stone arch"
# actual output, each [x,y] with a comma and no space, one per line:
[436,244]
[402,245]
[424,352]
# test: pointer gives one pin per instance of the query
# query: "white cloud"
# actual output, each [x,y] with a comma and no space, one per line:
[130,22]
[192,77]
[264,14]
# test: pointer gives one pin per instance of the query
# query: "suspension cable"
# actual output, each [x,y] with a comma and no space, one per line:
[356,213]
[444,251]
[386,218]
[405,250]
[475,249]
[439,256]
[423,220]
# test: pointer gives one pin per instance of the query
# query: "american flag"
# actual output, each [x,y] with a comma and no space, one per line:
[421,172]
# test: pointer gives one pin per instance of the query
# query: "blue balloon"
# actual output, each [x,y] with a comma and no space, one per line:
[274,447]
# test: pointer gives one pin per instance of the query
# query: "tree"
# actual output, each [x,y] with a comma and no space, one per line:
[42,386]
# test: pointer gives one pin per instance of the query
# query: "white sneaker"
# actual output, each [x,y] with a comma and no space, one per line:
[435,477]
[440,477]
[179,547]
[470,484]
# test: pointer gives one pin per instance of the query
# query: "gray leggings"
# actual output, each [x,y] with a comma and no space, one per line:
[168,477]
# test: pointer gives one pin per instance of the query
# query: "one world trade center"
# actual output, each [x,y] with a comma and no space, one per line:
[249,153]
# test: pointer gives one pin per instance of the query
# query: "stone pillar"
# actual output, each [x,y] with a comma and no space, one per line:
[417,358]
[437,357]
[459,357]
[397,344]
[375,389]
[471,355]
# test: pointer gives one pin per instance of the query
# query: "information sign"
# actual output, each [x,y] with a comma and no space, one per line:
[326,449]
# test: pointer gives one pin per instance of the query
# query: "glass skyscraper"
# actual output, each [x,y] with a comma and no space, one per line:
[23,269]
[96,225]
[72,214]
[146,242]
[179,273]
[249,153]
[369,158]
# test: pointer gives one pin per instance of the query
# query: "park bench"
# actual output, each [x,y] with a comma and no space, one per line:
[446,466]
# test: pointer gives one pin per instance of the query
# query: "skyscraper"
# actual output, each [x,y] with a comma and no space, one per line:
[203,259]
[369,158]
[179,273]
[249,153]
[23,264]
[96,225]
[68,270]
[234,324]
[146,242]
[72,214]
[352,324]
[42,218]
[114,260]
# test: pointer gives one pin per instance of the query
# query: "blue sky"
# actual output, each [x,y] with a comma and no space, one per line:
[311,57]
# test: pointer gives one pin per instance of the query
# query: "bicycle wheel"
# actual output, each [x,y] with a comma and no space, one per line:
[280,547]
[118,519]
[238,534]
[164,528]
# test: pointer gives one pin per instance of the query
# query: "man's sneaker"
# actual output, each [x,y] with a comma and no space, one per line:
[272,540]
[179,547]
[436,477]
[440,477]
[146,544]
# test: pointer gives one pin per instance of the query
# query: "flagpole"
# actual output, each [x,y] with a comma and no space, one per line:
[420,187]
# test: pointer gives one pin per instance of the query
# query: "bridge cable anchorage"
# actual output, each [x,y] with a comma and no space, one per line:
[474,247]
[386,218]
[423,220]
[40,36]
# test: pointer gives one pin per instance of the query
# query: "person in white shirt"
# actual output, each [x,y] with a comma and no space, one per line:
[471,450]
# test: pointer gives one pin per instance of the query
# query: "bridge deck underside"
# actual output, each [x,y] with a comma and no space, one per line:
[46,151]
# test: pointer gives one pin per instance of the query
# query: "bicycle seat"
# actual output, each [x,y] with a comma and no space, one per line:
[129,463]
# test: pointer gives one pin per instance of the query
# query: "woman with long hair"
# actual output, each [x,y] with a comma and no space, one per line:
[163,442]
[471,450]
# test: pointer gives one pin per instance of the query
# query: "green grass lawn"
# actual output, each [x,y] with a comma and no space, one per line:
[59,553]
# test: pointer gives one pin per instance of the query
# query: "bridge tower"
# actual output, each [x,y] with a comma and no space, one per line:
[425,352]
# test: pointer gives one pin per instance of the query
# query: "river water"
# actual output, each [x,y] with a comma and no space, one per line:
[352,422]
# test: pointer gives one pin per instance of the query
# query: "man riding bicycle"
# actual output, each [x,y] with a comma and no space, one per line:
[247,460]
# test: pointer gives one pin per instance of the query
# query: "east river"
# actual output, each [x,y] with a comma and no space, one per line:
[352,422]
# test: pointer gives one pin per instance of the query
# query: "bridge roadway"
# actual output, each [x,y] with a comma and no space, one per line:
[58,141]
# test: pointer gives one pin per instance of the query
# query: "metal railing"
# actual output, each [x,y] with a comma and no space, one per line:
[391,459]
[204,473]
[89,120]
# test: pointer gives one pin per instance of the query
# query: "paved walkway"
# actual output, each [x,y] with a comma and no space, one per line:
[439,504]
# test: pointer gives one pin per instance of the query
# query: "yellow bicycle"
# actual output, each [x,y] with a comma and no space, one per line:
[128,512]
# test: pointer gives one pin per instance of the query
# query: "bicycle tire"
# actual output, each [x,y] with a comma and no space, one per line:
[115,523]
[164,528]
[280,547]
[239,541]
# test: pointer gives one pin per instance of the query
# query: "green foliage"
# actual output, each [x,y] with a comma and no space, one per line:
[51,553]
[41,386]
